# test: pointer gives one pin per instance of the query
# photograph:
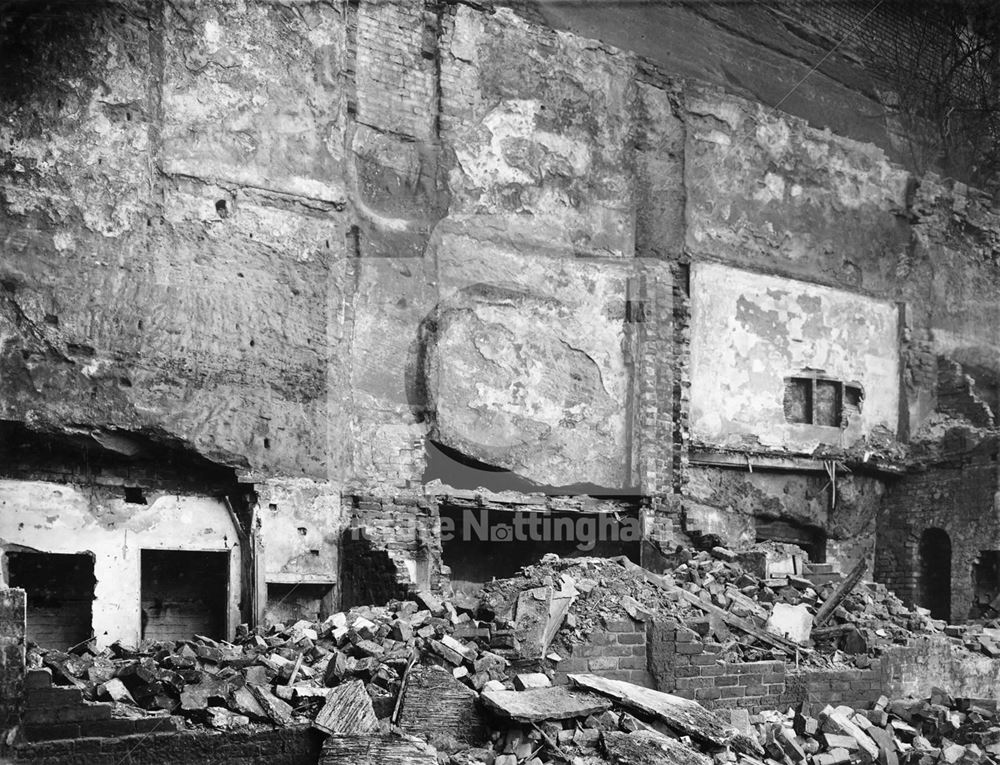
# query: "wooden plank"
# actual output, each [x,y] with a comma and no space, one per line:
[647,747]
[348,710]
[683,715]
[741,624]
[386,749]
[433,701]
[556,703]
[731,619]
[846,587]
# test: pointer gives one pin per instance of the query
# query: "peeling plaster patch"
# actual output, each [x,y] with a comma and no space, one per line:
[750,332]
[773,189]
[63,241]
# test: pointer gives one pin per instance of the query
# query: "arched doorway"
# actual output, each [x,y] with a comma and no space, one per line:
[935,573]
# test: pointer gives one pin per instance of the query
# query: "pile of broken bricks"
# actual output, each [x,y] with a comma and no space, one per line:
[599,720]
[282,675]
[454,656]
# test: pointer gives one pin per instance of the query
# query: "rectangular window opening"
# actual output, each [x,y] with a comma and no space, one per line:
[821,401]
[184,593]
[60,593]
[288,603]
[798,400]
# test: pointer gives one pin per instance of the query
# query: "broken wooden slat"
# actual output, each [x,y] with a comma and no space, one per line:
[842,591]
[731,619]
[556,703]
[435,702]
[646,747]
[741,624]
[532,619]
[348,710]
[402,688]
[386,749]
[559,606]
[684,715]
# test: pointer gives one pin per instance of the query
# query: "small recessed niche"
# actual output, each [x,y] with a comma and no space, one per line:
[134,495]
[222,208]
[302,531]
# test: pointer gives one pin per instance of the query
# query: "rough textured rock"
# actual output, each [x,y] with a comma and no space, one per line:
[305,240]
[525,368]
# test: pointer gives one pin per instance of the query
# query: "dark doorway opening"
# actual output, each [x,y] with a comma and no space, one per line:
[184,594]
[288,603]
[367,573]
[482,544]
[60,592]
[986,585]
[935,573]
[812,539]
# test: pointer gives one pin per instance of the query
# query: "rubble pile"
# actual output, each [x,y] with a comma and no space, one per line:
[598,720]
[714,594]
[474,677]
[900,732]
[283,674]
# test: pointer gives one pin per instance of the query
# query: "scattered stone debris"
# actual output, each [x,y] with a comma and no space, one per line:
[474,681]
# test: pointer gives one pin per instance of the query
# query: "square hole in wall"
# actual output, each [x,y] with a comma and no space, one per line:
[288,603]
[826,406]
[184,593]
[798,400]
[60,592]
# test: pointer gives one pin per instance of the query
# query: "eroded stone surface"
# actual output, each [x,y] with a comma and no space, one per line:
[525,369]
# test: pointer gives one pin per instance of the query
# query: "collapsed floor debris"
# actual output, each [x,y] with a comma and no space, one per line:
[472,678]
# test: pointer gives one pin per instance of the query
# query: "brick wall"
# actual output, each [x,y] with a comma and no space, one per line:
[407,530]
[932,661]
[683,665]
[652,311]
[958,498]
[957,397]
[396,48]
[619,651]
[13,603]
[51,712]
[680,663]
[858,688]
[284,746]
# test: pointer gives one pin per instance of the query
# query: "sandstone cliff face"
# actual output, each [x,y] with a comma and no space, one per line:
[305,239]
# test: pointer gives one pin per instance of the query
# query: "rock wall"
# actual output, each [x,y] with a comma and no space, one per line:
[318,241]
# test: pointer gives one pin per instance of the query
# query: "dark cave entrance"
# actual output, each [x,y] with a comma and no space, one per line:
[935,573]
[812,539]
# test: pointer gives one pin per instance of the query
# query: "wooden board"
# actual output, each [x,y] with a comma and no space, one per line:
[649,748]
[435,702]
[384,749]
[348,710]
[683,715]
[741,624]
[557,703]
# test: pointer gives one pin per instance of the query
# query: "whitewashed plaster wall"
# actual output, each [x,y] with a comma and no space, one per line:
[750,331]
[61,518]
